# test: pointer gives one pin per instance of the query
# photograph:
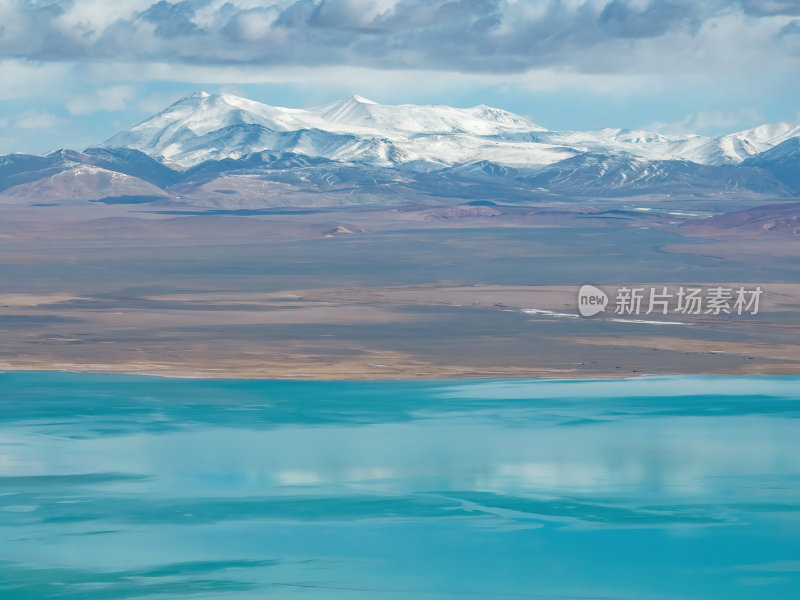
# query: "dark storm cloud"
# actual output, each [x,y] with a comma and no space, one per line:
[620,19]
[461,35]
[171,19]
[763,8]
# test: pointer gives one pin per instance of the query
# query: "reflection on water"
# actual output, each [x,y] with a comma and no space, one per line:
[132,487]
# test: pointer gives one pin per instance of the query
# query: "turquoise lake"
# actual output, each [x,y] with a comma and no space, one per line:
[116,487]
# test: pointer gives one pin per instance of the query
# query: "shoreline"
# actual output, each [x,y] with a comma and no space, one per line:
[554,375]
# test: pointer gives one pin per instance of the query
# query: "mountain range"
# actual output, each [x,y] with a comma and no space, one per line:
[227,151]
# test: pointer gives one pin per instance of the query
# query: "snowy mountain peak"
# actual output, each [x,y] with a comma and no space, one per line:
[207,126]
[211,126]
[355,109]
[501,116]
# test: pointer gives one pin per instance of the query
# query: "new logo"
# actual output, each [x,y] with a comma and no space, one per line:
[591,300]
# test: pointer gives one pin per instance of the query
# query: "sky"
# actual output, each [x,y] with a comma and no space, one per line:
[74,72]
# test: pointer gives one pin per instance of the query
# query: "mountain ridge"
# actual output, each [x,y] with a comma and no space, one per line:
[358,151]
[417,137]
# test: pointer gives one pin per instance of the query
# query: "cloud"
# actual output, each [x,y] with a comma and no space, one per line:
[35,120]
[791,28]
[27,125]
[622,19]
[771,7]
[723,120]
[470,36]
[171,20]
[104,99]
[22,78]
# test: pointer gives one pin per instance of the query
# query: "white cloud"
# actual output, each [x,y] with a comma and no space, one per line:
[23,79]
[364,79]
[89,18]
[105,99]
[590,36]
[35,120]
[705,121]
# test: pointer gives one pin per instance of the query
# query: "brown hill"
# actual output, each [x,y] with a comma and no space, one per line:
[771,220]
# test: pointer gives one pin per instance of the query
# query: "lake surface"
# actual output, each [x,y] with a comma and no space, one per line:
[655,488]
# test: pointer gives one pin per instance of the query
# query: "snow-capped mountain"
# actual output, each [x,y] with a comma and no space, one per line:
[210,127]
[205,127]
[782,161]
[225,151]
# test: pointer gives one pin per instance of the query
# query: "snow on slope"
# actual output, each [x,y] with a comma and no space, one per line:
[736,147]
[203,126]
[421,138]
[357,113]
